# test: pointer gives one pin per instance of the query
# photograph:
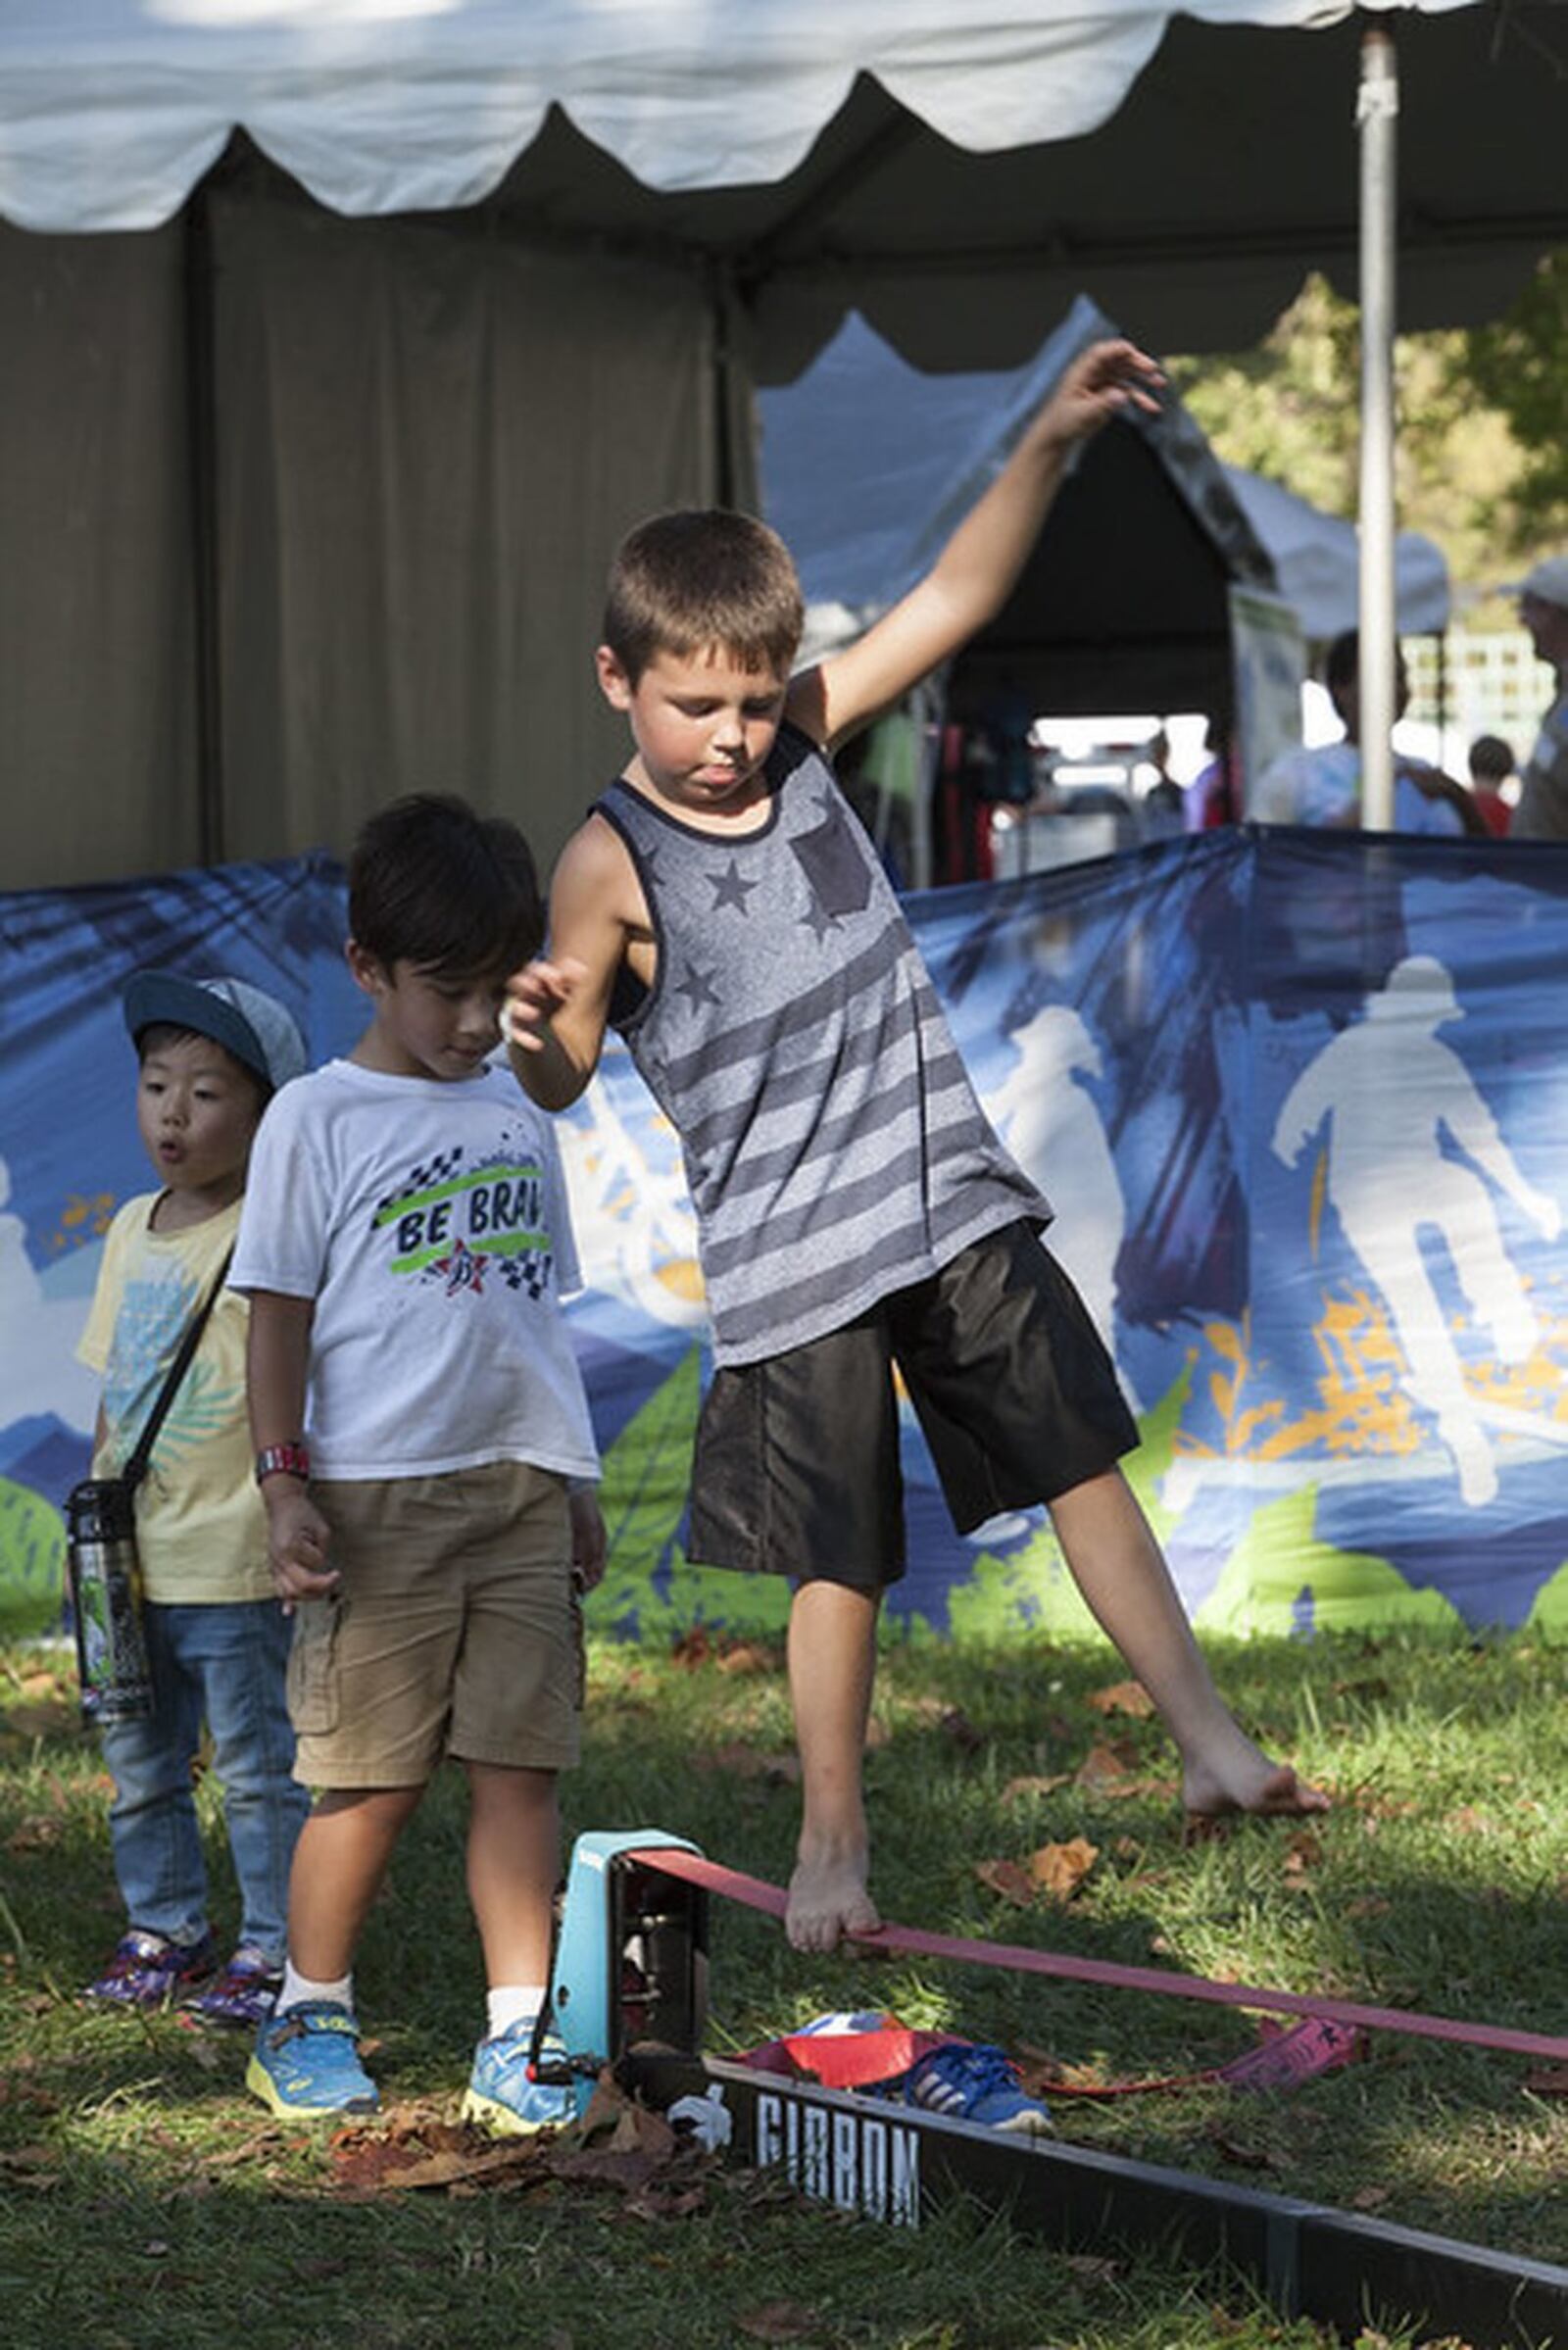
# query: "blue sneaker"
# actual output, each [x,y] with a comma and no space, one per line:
[244,1994]
[501,2095]
[148,1969]
[307,2062]
[967,2082]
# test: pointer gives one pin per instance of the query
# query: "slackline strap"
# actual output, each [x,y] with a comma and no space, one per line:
[755,1893]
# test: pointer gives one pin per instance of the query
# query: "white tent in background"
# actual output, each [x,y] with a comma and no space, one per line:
[866,464]
[1317,560]
[296,500]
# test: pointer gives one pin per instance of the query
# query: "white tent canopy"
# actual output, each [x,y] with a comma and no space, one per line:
[865,464]
[301,504]
[957,174]
[118,107]
[1317,559]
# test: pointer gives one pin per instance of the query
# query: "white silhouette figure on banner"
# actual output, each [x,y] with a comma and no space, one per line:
[1054,1130]
[38,1368]
[635,1231]
[1392,1092]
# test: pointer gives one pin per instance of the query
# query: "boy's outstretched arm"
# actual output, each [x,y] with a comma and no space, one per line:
[556,1008]
[977,569]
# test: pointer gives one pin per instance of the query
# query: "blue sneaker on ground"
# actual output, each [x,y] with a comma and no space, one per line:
[307,2062]
[245,1992]
[502,2097]
[969,2083]
[147,1969]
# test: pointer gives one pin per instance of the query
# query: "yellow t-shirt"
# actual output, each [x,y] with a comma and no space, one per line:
[201,1530]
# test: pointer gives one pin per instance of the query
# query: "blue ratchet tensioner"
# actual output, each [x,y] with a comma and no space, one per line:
[631,1956]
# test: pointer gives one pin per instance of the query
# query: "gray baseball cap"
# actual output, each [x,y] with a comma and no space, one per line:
[243,1020]
[1547,579]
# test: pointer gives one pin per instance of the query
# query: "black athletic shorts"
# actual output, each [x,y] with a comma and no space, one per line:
[797,1463]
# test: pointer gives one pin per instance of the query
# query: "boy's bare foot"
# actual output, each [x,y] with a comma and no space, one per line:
[1250,1785]
[828,1899]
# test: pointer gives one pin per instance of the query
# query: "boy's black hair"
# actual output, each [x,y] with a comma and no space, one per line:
[1491,757]
[159,1032]
[433,883]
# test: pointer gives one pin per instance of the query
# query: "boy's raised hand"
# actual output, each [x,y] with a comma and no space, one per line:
[534,995]
[1101,381]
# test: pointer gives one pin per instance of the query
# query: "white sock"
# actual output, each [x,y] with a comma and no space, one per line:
[510,2003]
[300,1992]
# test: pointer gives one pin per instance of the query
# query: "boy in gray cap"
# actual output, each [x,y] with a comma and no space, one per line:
[212,1054]
[1542,811]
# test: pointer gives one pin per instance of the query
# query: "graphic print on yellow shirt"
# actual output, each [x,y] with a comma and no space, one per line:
[199,1525]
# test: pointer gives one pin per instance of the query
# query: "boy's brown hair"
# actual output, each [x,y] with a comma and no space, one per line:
[700,579]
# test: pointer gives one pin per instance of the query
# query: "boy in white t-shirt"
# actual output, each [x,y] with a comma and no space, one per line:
[212,1052]
[424,1451]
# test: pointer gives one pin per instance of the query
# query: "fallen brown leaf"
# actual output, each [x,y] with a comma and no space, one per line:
[748,1656]
[1303,1853]
[1245,2156]
[1123,1698]
[1009,1878]
[1547,2081]
[778,2321]
[1022,1791]
[1060,1869]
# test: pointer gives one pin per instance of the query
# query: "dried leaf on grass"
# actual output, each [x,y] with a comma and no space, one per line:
[1110,1770]
[1055,1870]
[1302,1854]
[700,1647]
[1123,1698]
[778,2321]
[1547,2081]
[1244,2153]
[1023,1791]
[437,2154]
[1096,2268]
[1009,1878]
[1060,1869]
[35,2166]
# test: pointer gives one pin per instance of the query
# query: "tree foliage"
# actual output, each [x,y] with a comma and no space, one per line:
[1520,367]
[1482,452]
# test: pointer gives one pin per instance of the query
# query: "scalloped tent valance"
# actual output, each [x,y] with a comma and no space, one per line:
[956,175]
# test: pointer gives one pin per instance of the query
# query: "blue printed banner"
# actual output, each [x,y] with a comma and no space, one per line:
[1297,1101]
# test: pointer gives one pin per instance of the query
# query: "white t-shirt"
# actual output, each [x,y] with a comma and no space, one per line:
[429,1222]
[1323,786]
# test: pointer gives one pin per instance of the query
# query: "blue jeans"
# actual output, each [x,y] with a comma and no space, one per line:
[221,1663]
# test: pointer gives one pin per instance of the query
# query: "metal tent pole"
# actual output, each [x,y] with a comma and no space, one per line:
[1377,116]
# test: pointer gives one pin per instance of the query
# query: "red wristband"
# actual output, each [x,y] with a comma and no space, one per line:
[281,1460]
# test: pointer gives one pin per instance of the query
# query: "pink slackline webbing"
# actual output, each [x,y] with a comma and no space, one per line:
[755,1893]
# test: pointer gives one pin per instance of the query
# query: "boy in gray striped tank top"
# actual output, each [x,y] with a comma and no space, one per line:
[855,1209]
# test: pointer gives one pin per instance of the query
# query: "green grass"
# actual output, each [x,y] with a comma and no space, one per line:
[146,2201]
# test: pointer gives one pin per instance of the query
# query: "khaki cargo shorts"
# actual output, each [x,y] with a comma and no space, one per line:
[454,1630]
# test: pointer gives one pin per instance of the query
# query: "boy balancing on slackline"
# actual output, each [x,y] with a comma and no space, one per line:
[722,906]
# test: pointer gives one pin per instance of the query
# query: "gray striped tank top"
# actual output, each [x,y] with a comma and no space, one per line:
[835,1150]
